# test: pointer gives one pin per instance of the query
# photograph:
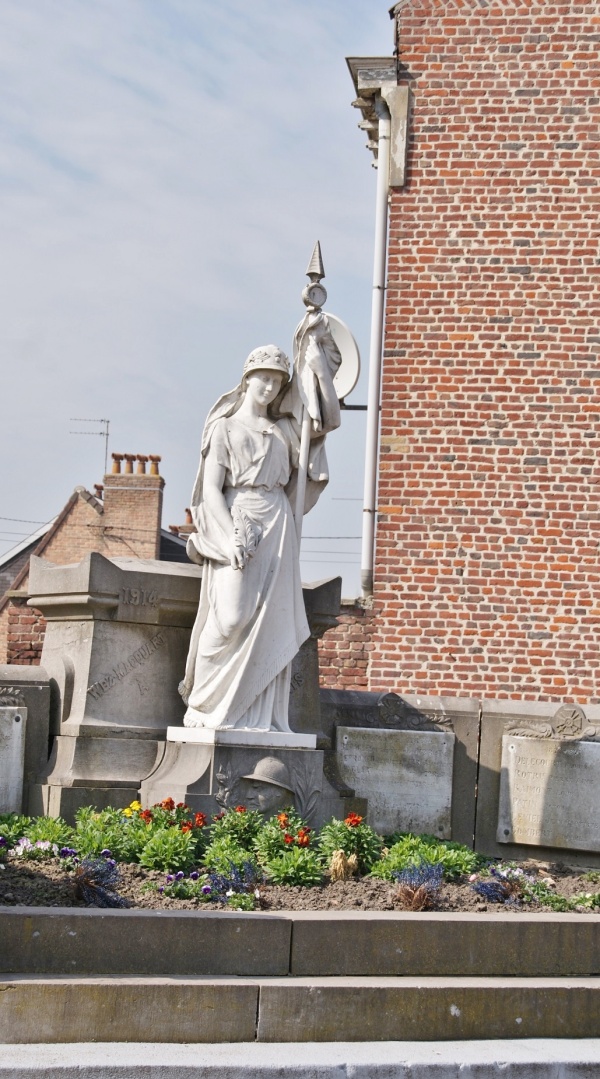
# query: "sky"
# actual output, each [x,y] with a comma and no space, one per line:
[166,167]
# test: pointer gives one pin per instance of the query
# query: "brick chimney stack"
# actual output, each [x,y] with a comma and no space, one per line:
[133,505]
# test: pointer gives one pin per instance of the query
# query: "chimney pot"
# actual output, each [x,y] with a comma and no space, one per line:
[99,489]
[154,463]
[129,459]
[188,516]
[117,458]
[141,468]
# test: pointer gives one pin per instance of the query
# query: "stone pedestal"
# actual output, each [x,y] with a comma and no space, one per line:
[115,648]
[215,770]
[322,604]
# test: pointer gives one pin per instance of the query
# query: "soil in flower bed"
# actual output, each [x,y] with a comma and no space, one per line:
[46,883]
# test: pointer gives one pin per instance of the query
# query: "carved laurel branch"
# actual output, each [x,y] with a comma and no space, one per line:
[305,790]
[10,697]
[396,713]
[568,722]
[227,785]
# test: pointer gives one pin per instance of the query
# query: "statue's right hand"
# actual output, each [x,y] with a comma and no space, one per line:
[238,556]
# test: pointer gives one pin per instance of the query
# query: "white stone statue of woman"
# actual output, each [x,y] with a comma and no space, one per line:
[251,619]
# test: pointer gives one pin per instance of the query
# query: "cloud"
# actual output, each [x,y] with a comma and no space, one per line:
[165,169]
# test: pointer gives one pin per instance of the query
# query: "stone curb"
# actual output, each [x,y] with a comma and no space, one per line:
[525,1059]
[49,940]
[55,1009]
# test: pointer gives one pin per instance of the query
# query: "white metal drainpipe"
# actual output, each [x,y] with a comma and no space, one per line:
[376,349]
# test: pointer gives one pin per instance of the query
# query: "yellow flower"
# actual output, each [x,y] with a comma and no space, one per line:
[128,812]
[136,806]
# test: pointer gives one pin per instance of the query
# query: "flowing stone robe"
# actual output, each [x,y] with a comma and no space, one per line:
[251,622]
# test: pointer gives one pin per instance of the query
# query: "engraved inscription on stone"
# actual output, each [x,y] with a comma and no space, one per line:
[549,793]
[125,667]
[12,756]
[406,776]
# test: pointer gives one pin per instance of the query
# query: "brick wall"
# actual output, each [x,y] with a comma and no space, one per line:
[487,578]
[26,629]
[344,650]
[126,524]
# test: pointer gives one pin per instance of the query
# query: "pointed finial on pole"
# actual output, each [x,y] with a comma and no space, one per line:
[315,267]
[314,294]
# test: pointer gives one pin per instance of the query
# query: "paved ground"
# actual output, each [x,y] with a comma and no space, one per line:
[525,1059]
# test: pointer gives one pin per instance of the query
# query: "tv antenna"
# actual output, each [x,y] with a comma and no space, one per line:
[103,434]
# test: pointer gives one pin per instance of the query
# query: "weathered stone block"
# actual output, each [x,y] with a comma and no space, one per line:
[426,1009]
[126,1010]
[137,942]
[13,723]
[115,648]
[538,798]
[29,688]
[389,712]
[406,776]
[549,793]
[382,944]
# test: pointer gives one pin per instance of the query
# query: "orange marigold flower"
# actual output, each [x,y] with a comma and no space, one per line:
[288,838]
[199,820]
[187,826]
[167,803]
[240,809]
[353,820]
[146,816]
[302,839]
[283,820]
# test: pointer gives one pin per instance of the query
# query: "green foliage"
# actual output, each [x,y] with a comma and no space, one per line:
[279,833]
[169,849]
[241,902]
[297,866]
[103,830]
[12,826]
[413,850]
[241,826]
[223,852]
[49,829]
[537,891]
[353,838]
[186,887]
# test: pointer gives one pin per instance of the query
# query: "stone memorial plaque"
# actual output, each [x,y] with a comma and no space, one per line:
[405,775]
[12,758]
[549,793]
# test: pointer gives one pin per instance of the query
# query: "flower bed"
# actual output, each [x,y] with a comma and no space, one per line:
[169,856]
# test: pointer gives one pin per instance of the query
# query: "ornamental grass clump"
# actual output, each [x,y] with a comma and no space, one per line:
[412,850]
[237,887]
[95,881]
[503,886]
[353,837]
[418,886]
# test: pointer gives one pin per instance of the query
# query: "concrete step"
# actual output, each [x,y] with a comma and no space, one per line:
[524,1059]
[38,940]
[191,1009]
